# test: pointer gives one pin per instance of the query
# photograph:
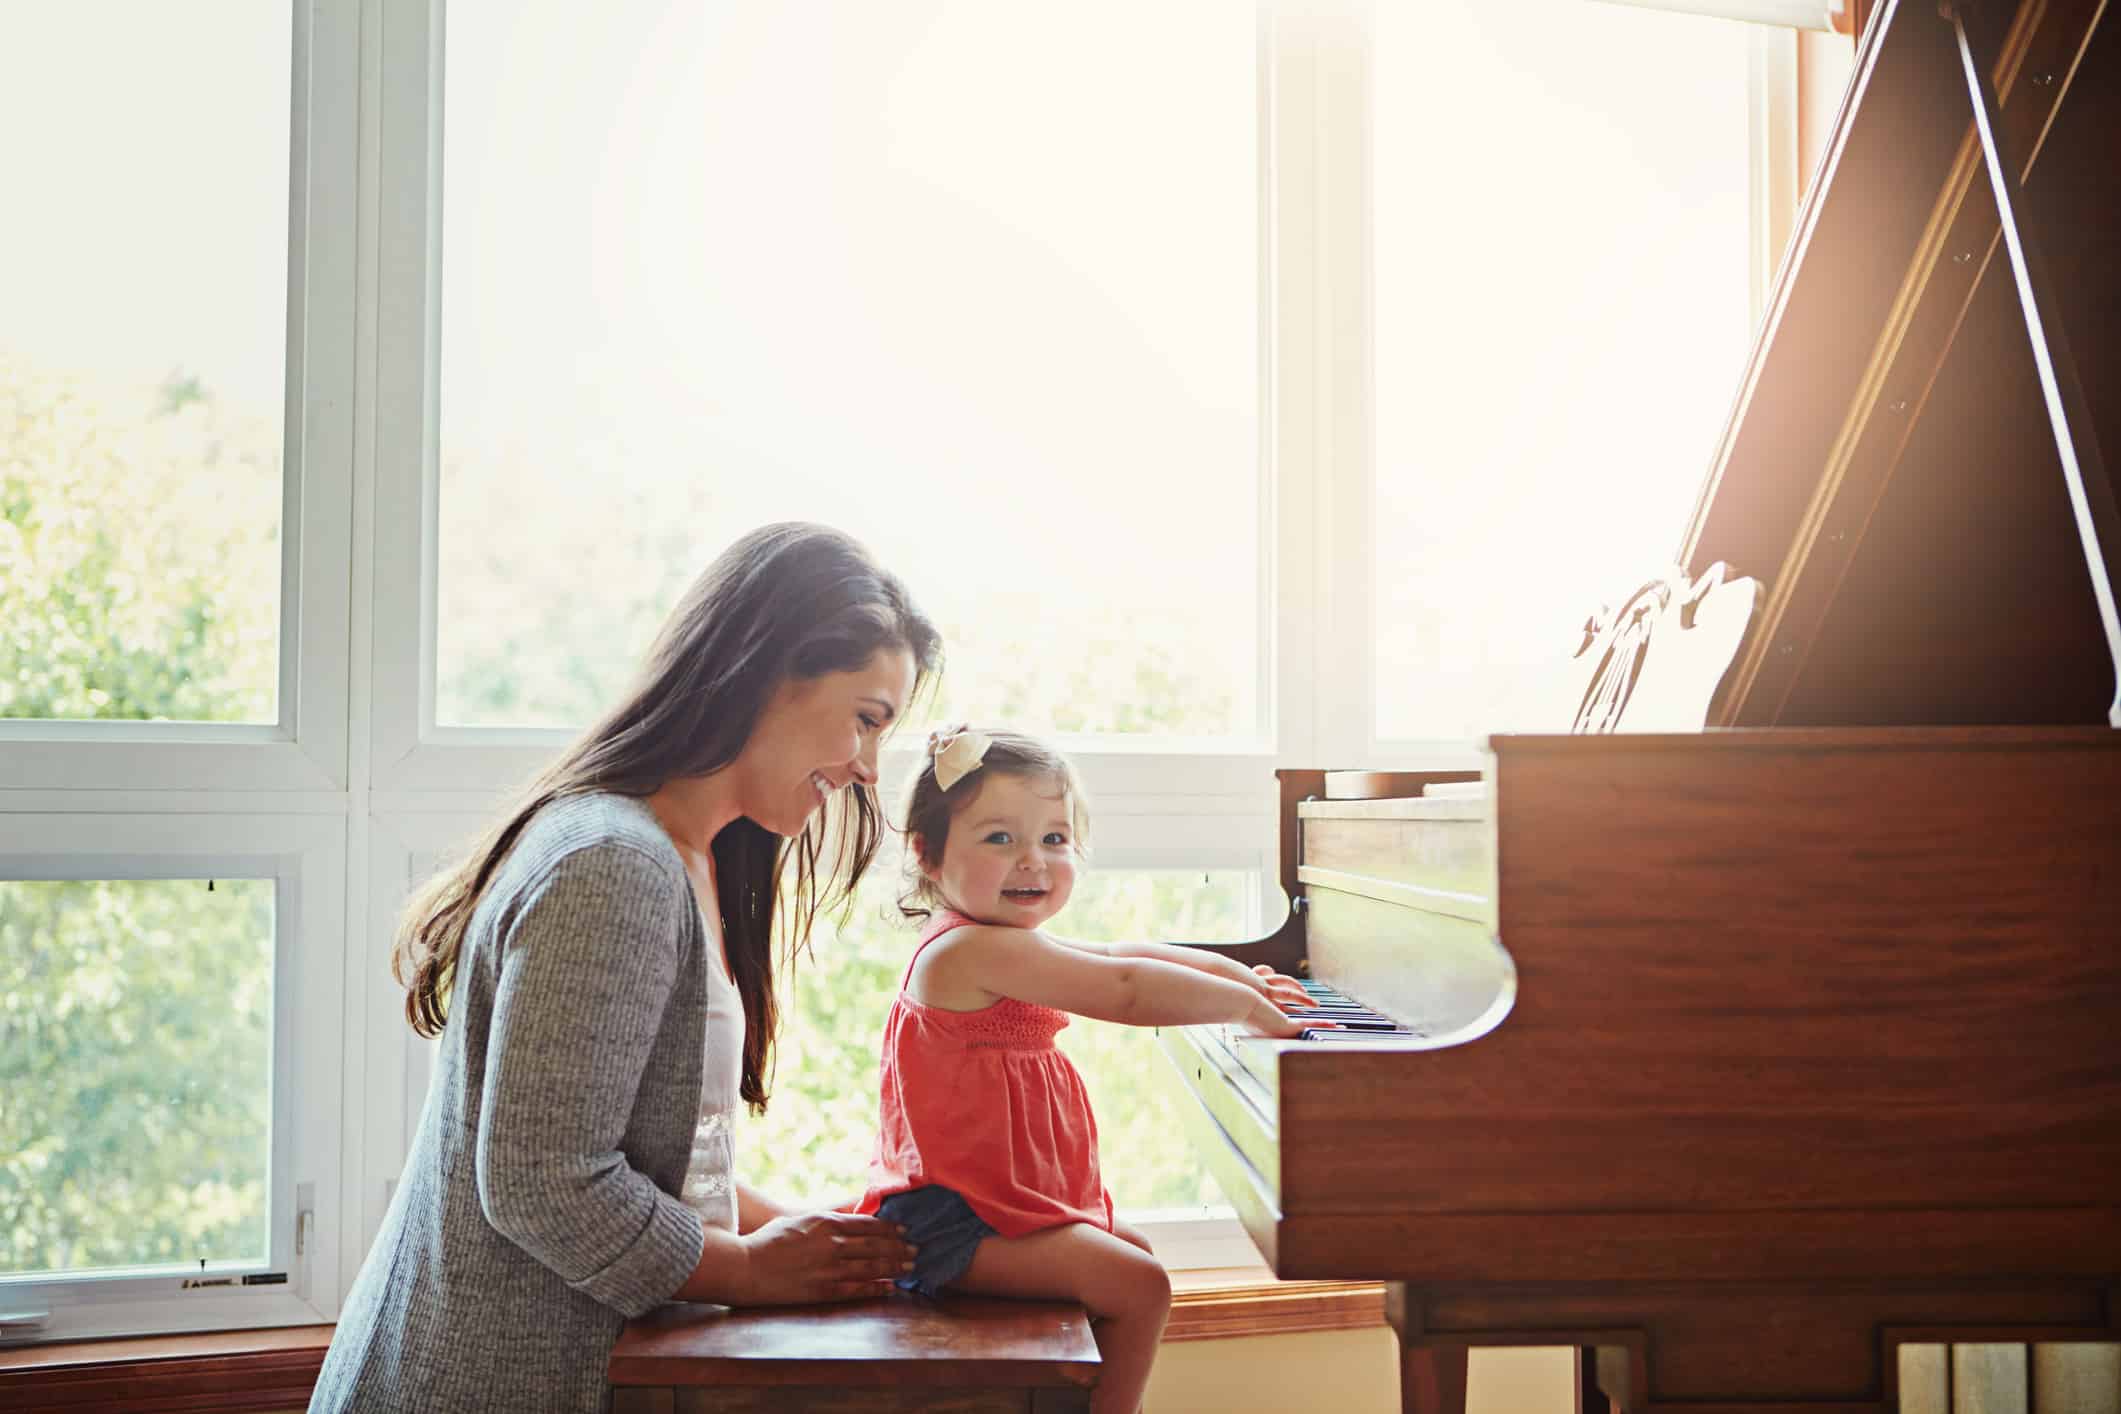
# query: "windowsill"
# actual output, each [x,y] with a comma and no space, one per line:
[1224,1302]
[274,1369]
[270,1369]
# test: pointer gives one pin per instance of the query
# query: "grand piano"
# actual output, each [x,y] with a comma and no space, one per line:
[1744,1058]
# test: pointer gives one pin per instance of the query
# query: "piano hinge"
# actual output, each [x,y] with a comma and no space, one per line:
[1296,898]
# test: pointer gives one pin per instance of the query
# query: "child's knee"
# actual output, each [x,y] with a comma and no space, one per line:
[1156,1288]
[1135,1288]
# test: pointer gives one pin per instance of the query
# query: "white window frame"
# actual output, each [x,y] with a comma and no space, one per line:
[304,854]
[306,748]
[138,800]
[396,1063]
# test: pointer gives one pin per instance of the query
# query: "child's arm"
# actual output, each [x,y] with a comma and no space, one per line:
[1132,990]
[1285,990]
[755,1209]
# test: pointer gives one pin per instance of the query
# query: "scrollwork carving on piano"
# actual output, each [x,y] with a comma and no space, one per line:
[1654,665]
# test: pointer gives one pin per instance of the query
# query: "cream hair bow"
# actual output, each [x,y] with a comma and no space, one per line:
[957,754]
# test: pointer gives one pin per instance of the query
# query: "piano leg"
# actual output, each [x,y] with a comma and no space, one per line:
[1590,1395]
[1432,1379]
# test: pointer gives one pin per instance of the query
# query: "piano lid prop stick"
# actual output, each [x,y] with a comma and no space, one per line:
[2091,490]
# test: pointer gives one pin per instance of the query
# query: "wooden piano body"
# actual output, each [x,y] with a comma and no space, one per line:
[1743,1056]
[1795,1043]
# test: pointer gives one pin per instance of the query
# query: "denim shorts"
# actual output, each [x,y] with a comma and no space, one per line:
[944,1230]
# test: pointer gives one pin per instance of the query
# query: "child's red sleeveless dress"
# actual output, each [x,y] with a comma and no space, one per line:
[983,1103]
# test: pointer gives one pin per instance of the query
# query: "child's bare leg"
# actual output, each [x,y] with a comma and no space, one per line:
[1133,1235]
[1124,1288]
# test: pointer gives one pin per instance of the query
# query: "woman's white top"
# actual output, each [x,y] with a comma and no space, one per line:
[710,1177]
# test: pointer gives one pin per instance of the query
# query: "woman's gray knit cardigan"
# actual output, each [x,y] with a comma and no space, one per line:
[536,1211]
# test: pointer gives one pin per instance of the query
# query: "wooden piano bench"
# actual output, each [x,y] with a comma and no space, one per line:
[898,1352]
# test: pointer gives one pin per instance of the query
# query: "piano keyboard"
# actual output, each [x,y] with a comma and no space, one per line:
[1352,1021]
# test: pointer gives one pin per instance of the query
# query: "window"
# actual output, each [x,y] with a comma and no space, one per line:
[329,507]
[1563,222]
[139,1070]
[143,268]
[890,267]
[167,996]
[174,571]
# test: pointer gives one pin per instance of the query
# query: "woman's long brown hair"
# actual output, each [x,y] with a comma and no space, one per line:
[791,600]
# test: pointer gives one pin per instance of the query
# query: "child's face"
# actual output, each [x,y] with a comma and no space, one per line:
[1010,856]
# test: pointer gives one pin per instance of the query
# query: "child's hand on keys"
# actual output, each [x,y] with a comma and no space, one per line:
[1283,991]
[1268,1019]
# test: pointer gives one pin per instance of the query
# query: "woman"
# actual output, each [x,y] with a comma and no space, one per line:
[603,963]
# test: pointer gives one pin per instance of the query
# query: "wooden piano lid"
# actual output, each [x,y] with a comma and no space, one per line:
[1889,470]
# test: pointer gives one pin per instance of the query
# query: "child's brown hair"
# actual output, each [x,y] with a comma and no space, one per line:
[930,807]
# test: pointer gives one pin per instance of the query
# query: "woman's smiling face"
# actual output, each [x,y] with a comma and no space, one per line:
[818,736]
[1010,857]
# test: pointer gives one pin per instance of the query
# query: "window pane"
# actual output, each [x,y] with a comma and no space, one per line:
[976,282]
[1561,249]
[814,1141]
[1147,1159]
[143,271]
[136,1065]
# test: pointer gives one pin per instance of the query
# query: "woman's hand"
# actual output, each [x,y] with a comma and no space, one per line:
[821,1257]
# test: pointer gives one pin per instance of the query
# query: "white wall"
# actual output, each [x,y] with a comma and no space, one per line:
[1352,1372]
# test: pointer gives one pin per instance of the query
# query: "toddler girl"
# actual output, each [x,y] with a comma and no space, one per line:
[987,1150]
